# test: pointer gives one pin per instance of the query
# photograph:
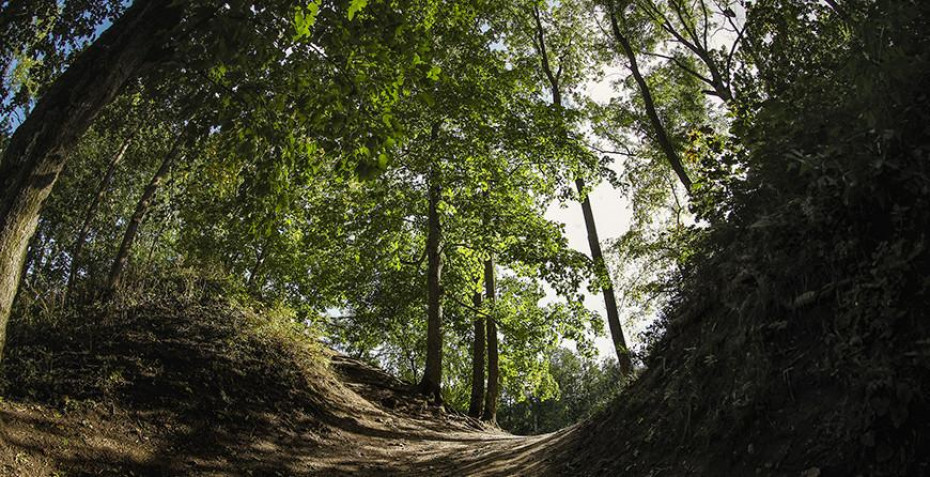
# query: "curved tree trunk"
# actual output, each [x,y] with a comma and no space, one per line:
[91,212]
[39,148]
[493,392]
[431,384]
[610,300]
[476,404]
[132,228]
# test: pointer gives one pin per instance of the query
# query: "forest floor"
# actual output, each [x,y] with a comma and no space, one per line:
[358,421]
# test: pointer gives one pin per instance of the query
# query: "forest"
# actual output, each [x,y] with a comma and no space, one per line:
[465,237]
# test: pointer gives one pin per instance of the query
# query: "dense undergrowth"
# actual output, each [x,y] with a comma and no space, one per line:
[799,340]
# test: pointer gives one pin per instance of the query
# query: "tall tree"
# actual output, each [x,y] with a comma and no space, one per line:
[92,212]
[38,150]
[553,76]
[431,383]
[614,10]
[479,349]
[494,379]
[115,279]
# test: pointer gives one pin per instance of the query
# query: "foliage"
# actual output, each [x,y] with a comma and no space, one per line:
[583,386]
[310,134]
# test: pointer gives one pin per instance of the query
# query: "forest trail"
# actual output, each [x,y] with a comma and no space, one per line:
[410,439]
[195,408]
[394,432]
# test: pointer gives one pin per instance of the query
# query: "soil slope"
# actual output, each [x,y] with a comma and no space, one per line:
[184,387]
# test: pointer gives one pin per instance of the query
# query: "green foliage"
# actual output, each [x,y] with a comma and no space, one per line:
[582,386]
[812,264]
[311,132]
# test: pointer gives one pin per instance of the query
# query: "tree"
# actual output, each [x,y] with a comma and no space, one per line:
[493,390]
[91,213]
[553,75]
[614,10]
[479,350]
[432,375]
[39,148]
[132,228]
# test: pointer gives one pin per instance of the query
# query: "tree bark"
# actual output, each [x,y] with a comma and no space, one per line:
[132,228]
[658,128]
[91,212]
[39,148]
[493,391]
[476,405]
[610,300]
[431,384]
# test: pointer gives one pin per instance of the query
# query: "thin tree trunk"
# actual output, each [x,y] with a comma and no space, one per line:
[155,241]
[493,392]
[260,259]
[37,249]
[610,300]
[132,228]
[431,385]
[658,128]
[91,213]
[39,148]
[476,405]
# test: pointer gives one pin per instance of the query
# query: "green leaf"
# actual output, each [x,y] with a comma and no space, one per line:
[433,73]
[356,6]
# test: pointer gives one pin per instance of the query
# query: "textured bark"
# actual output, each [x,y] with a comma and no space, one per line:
[658,128]
[610,300]
[92,212]
[431,384]
[476,405]
[39,148]
[493,392]
[132,228]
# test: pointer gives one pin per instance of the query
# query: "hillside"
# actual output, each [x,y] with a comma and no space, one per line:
[186,386]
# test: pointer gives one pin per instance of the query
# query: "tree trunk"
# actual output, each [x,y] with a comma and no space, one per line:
[34,256]
[476,404]
[493,393]
[39,148]
[260,259]
[431,385]
[132,228]
[661,134]
[91,212]
[610,301]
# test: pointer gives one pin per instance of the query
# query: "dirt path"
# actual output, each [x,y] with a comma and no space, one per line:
[399,435]
[379,427]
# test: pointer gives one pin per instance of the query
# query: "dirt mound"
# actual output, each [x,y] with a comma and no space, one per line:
[202,386]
